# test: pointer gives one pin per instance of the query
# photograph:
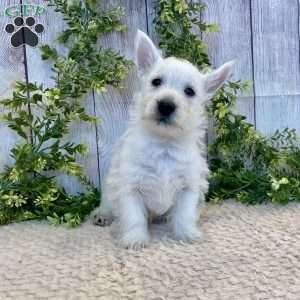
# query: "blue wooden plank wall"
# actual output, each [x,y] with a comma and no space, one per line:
[261,35]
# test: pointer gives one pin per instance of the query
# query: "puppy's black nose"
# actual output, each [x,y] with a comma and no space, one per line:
[166,107]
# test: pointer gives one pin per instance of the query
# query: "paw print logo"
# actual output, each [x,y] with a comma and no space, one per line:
[24,31]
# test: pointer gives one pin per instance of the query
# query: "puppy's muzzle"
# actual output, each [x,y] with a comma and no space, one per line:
[165,109]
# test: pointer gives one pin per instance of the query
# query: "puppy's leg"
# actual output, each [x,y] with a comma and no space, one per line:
[133,222]
[184,216]
[103,215]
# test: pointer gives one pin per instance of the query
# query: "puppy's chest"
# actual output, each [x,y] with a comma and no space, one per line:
[165,170]
[161,179]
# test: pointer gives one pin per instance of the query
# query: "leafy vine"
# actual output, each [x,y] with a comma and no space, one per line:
[27,191]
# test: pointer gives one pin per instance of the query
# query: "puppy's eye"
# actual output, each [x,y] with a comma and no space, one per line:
[156,82]
[189,91]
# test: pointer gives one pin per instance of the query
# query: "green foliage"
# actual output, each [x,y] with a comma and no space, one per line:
[42,118]
[86,65]
[245,165]
[174,22]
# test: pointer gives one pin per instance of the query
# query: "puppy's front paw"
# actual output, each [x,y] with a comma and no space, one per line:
[187,234]
[136,239]
[100,219]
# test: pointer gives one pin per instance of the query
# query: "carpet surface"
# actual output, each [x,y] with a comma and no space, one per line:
[248,252]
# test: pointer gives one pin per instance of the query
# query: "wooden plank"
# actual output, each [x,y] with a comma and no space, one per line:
[11,69]
[232,42]
[278,112]
[151,13]
[112,106]
[276,63]
[40,71]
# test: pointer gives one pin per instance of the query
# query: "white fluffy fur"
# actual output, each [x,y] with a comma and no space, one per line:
[161,168]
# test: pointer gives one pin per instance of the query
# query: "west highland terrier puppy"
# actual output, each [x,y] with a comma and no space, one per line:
[159,165]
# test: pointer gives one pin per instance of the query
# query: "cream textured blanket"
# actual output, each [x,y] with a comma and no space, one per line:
[249,252]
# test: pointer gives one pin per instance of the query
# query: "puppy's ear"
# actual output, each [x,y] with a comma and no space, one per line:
[146,54]
[215,79]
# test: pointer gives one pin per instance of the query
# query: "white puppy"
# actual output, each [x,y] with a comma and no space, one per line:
[159,165]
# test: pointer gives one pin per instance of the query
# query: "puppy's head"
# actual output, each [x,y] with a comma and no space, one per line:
[173,93]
